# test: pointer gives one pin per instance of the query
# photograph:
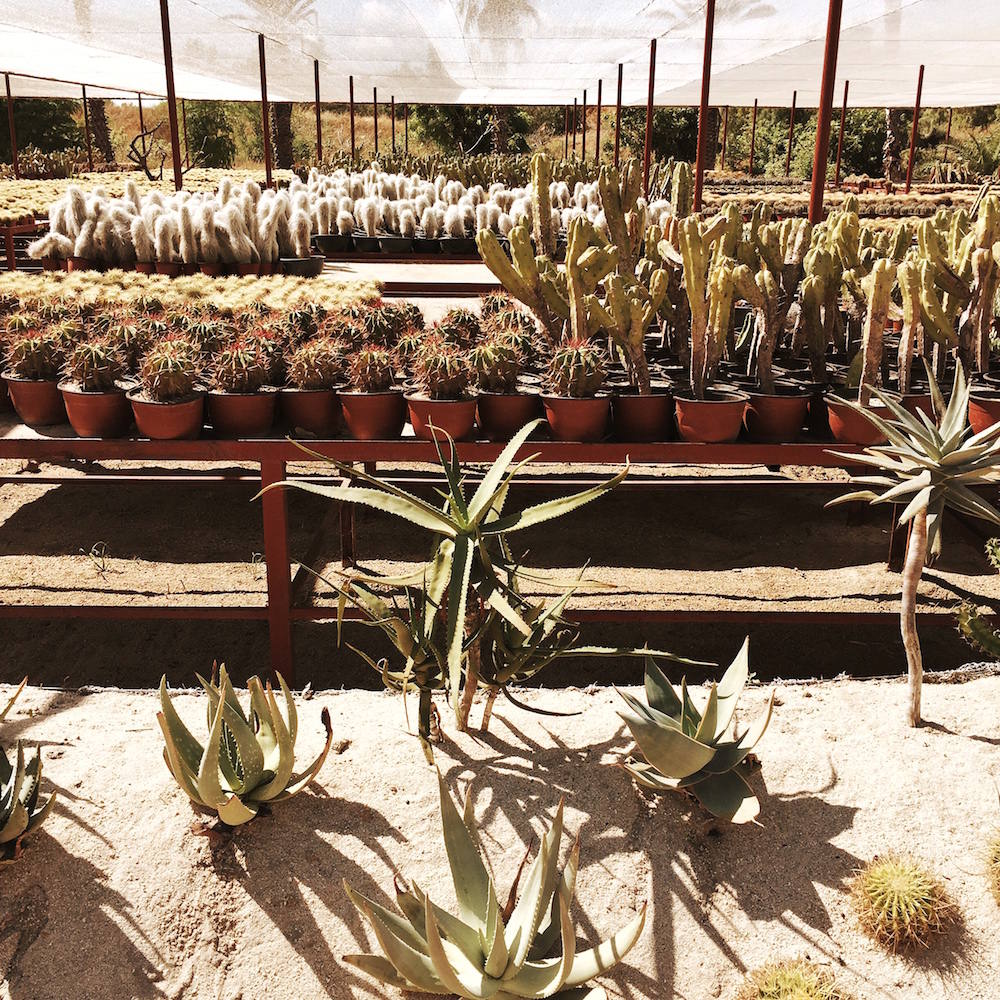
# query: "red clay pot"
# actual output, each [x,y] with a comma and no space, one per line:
[502,415]
[241,414]
[38,403]
[454,417]
[984,409]
[52,263]
[914,402]
[212,269]
[96,414]
[850,427]
[245,271]
[170,268]
[374,416]
[144,267]
[577,418]
[716,419]
[314,410]
[176,420]
[642,418]
[189,267]
[776,417]
[80,264]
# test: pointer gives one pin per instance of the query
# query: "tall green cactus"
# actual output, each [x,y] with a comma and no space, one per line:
[682,190]
[626,218]
[820,313]
[878,287]
[908,279]
[588,263]
[541,205]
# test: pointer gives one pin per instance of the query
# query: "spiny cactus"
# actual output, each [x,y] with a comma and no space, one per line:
[318,364]
[489,950]
[793,980]
[497,365]
[373,369]
[37,356]
[95,365]
[541,206]
[170,370]
[682,190]
[687,748]
[441,370]
[577,369]
[625,217]
[971,623]
[248,759]
[878,285]
[241,367]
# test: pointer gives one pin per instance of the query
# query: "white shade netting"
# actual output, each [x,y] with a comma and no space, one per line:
[505,51]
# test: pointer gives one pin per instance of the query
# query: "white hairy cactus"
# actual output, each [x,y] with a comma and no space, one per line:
[430,223]
[345,223]
[454,224]
[505,224]
[407,223]
[84,245]
[299,225]
[165,236]
[52,244]
[188,243]
[142,241]
[208,243]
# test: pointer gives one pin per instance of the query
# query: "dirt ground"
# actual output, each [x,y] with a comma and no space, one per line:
[117,897]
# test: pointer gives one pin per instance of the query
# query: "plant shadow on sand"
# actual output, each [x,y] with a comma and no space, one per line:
[278,856]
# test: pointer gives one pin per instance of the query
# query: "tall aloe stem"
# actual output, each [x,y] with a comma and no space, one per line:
[913,567]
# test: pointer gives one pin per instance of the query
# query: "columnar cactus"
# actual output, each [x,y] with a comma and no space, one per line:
[909,281]
[625,217]
[820,308]
[541,205]
[682,190]
[878,286]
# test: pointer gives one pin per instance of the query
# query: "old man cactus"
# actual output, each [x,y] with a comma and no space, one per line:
[248,760]
[687,748]
[490,950]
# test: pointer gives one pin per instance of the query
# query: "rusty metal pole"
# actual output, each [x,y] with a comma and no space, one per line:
[583,144]
[840,138]
[406,127]
[618,115]
[913,129]
[947,135]
[753,134]
[597,134]
[375,116]
[184,128]
[86,129]
[11,129]
[168,65]
[821,152]
[142,124]
[319,120]
[265,114]
[565,131]
[706,80]
[351,86]
[648,146]
[791,133]
[725,134]
[574,127]
[392,119]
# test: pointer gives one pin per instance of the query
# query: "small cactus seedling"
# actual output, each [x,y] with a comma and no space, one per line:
[901,905]
[498,365]
[793,980]
[577,369]
[442,371]
[373,369]
[170,370]
[95,365]
[242,367]
[318,364]
[37,356]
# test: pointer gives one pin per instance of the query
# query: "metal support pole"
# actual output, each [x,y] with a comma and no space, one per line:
[279,581]
[86,129]
[565,131]
[375,115]
[913,129]
[618,115]
[319,120]
[597,133]
[821,152]
[265,114]
[791,133]
[574,127]
[947,135]
[351,86]
[168,65]
[725,134]
[648,147]
[706,80]
[840,137]
[142,124]
[184,129]
[392,119]
[11,129]
[406,127]
[753,134]
[583,144]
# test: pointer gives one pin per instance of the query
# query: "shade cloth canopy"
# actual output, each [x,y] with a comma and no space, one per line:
[529,52]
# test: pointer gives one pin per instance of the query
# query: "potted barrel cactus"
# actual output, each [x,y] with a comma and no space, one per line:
[503,405]
[442,398]
[575,407]
[34,361]
[93,389]
[240,401]
[168,404]
[373,405]
[315,372]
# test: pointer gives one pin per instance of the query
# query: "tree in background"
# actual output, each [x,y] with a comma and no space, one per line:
[864,136]
[99,130]
[47,125]
[281,130]
[675,132]
[479,128]
[210,130]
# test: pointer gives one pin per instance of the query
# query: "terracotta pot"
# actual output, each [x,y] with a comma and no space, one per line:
[241,414]
[454,417]
[373,416]
[38,403]
[716,419]
[5,406]
[212,269]
[266,268]
[577,418]
[244,271]
[642,418]
[96,414]
[189,267]
[175,420]
[144,267]
[170,268]
[850,427]
[314,410]
[79,264]
[915,402]
[52,263]
[502,415]
[776,417]
[984,408]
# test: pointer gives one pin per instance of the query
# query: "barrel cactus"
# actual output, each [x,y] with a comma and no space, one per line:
[489,950]
[686,748]
[248,759]
[577,369]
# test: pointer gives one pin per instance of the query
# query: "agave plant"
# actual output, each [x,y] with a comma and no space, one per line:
[929,466]
[687,749]
[489,950]
[248,759]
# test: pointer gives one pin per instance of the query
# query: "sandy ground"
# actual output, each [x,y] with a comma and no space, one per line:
[117,897]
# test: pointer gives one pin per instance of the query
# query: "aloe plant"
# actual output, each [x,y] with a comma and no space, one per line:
[688,749]
[489,951]
[247,760]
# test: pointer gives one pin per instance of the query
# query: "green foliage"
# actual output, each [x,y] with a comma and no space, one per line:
[675,132]
[248,759]
[48,125]
[210,130]
[456,128]
[687,748]
[489,950]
